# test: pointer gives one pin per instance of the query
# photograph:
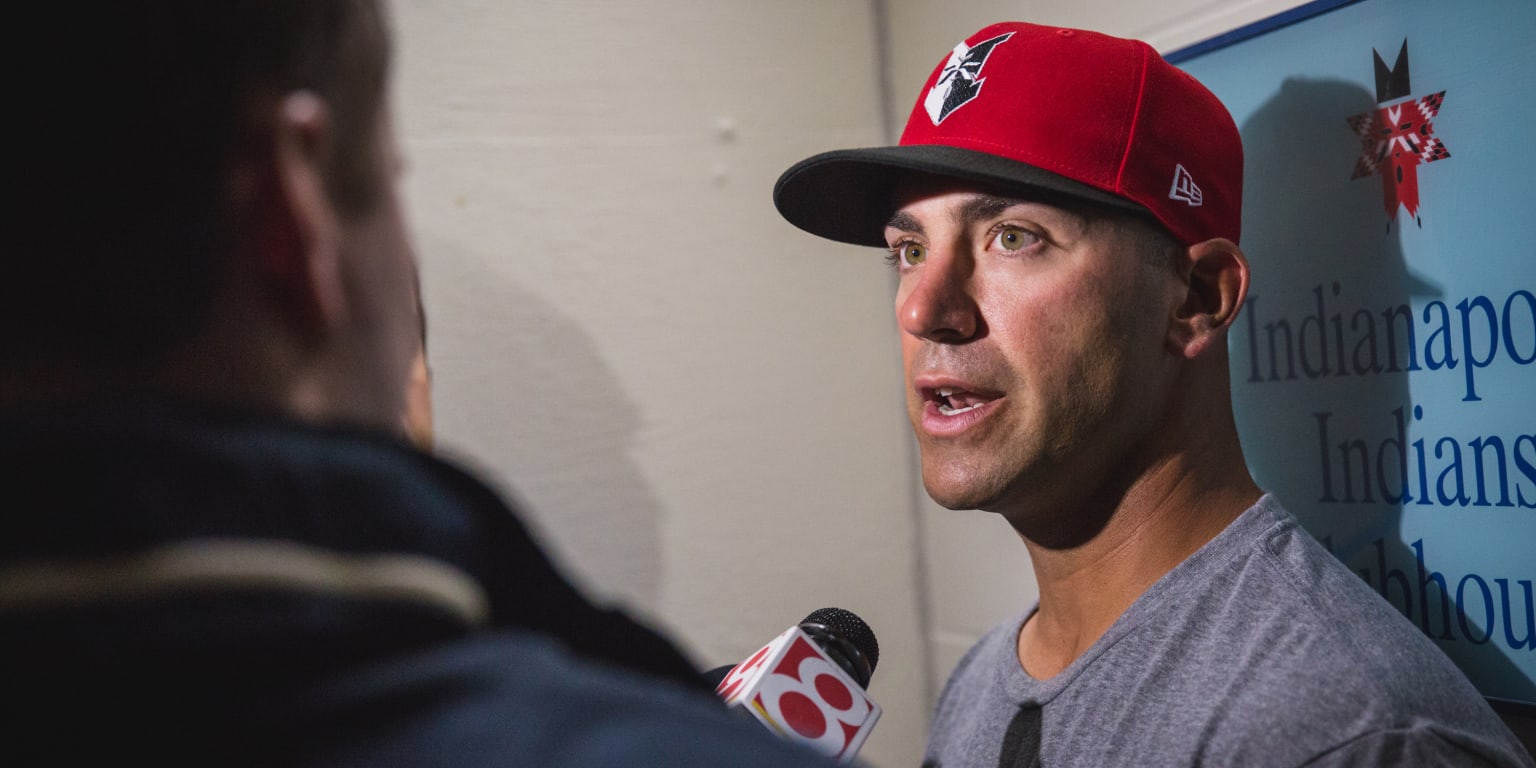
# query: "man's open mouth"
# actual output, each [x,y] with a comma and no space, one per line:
[952,402]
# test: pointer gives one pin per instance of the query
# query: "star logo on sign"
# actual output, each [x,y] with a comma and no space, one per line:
[1398,137]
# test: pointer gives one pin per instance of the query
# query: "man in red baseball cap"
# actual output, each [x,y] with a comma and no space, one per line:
[1063,212]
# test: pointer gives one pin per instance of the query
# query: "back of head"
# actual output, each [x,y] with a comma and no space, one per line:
[133,126]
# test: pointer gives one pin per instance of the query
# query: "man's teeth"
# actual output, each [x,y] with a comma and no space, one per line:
[946,407]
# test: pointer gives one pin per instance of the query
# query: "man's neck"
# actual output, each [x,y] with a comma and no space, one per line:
[251,376]
[1158,523]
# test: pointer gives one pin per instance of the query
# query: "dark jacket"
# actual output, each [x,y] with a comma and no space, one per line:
[211,588]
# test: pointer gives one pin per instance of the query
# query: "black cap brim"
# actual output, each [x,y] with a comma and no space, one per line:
[848,195]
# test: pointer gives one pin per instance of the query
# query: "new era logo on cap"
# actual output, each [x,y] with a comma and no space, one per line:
[1184,187]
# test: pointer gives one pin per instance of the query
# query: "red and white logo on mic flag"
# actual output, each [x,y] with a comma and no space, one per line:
[793,687]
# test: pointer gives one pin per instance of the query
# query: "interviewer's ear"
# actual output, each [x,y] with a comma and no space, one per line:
[1215,286]
[301,226]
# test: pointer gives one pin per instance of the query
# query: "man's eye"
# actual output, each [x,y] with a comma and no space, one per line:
[1015,238]
[908,254]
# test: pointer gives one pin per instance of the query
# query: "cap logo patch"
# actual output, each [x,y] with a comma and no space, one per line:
[961,80]
[1184,188]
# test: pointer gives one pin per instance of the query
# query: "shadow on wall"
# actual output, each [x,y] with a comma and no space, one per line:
[1321,248]
[521,392]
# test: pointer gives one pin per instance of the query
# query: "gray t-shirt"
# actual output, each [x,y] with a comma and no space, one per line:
[1261,649]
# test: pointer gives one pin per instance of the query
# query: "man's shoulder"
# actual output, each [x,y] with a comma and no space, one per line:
[1269,583]
[318,656]
[1289,604]
[1279,645]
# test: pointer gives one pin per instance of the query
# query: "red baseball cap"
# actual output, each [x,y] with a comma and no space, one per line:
[1051,113]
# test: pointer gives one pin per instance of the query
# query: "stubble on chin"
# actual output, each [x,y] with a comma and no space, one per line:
[953,482]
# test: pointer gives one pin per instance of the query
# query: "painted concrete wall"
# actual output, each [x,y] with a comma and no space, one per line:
[699,405]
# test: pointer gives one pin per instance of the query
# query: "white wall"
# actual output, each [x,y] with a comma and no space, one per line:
[700,405]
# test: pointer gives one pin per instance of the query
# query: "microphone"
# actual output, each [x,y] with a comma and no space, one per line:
[808,684]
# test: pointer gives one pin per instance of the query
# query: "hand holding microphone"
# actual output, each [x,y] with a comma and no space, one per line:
[808,683]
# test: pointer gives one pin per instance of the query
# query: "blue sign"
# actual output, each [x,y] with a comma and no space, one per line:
[1384,368]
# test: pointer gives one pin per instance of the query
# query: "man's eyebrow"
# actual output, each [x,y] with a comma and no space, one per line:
[985,207]
[977,208]
[905,222]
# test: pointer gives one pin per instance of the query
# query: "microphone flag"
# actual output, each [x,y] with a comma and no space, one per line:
[793,687]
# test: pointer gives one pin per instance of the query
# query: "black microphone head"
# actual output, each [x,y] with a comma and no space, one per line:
[850,634]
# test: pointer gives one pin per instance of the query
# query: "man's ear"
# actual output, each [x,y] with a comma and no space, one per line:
[1215,288]
[300,228]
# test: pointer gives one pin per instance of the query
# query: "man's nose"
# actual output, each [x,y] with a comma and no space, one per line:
[940,306]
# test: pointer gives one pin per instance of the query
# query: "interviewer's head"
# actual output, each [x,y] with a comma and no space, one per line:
[208,210]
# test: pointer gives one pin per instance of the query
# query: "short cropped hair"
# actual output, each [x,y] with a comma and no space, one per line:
[127,128]
[1157,246]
